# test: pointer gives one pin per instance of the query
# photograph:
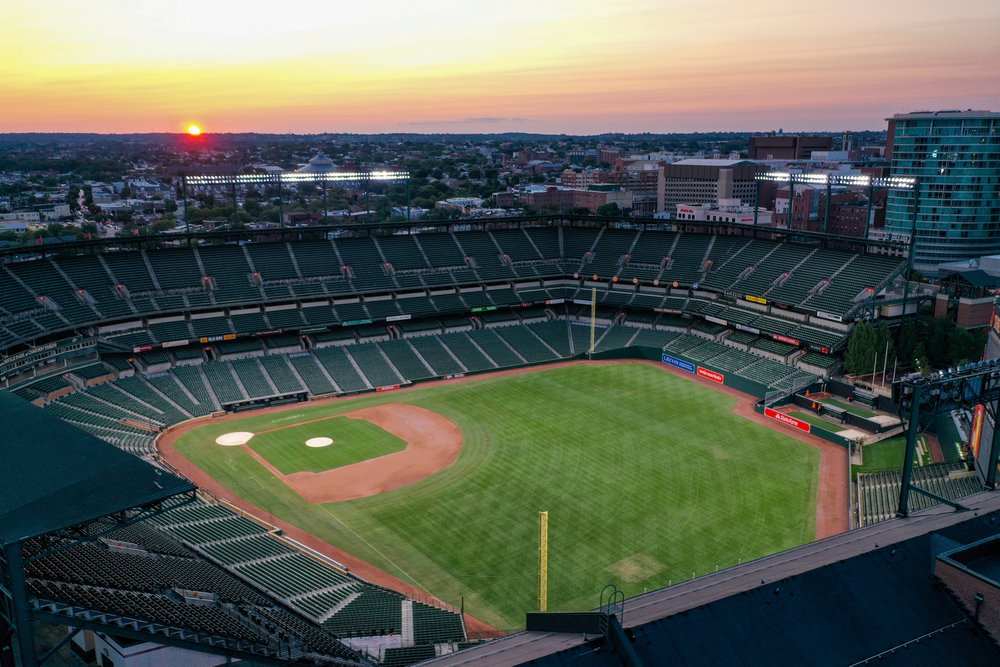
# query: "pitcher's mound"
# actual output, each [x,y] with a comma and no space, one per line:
[319,442]
[234,439]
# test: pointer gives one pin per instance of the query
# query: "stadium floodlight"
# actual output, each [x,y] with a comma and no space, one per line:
[848,180]
[295,177]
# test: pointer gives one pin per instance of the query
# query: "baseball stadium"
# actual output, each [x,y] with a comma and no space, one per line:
[555,440]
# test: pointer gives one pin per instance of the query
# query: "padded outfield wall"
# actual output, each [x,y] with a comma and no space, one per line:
[680,362]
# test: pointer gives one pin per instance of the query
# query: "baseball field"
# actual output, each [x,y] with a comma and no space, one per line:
[648,478]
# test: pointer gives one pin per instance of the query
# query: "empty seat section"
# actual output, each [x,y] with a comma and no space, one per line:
[366,264]
[809,276]
[281,375]
[192,380]
[516,245]
[555,334]
[129,269]
[434,353]
[686,259]
[272,261]
[340,369]
[308,368]
[770,269]
[221,380]
[405,360]
[228,266]
[494,346]
[402,252]
[373,365]
[46,281]
[722,276]
[526,343]
[463,348]
[175,268]
[441,249]
[480,246]
[616,337]
[610,251]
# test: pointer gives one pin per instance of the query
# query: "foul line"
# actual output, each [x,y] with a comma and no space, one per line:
[374,548]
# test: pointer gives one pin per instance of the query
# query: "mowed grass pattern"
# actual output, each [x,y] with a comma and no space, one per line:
[353,440]
[648,478]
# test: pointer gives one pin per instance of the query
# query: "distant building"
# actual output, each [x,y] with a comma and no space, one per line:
[464,204]
[787,146]
[554,198]
[955,155]
[318,164]
[706,181]
[968,291]
[26,217]
[848,210]
[730,211]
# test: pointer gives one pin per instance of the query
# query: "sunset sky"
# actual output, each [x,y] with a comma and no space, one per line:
[573,66]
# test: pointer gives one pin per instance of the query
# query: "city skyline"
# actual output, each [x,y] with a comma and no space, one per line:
[441,66]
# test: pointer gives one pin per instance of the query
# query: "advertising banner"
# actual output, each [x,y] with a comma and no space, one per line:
[678,363]
[787,419]
[711,375]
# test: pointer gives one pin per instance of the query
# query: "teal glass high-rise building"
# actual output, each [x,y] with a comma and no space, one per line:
[955,155]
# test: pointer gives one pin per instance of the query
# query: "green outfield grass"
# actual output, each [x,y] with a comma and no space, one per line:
[816,420]
[648,477]
[850,406]
[353,440]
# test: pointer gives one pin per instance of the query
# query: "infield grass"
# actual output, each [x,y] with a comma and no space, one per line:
[354,440]
[648,478]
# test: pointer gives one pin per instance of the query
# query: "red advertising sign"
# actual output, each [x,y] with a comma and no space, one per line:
[785,339]
[711,375]
[787,419]
[977,429]
[387,387]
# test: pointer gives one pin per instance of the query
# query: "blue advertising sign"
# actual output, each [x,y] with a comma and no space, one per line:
[678,363]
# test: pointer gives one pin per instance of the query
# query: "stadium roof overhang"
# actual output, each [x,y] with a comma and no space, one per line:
[55,476]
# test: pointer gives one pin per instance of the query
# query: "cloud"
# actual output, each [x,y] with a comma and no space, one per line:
[477,120]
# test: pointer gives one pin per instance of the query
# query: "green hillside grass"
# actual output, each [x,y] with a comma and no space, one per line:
[648,478]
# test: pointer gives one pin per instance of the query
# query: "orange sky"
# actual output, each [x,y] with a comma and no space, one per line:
[574,66]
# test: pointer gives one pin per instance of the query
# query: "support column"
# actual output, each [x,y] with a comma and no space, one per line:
[236,209]
[871,194]
[281,208]
[911,450]
[756,203]
[19,598]
[184,197]
[826,218]
[791,202]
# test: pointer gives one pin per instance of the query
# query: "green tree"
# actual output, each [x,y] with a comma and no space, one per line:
[885,348]
[610,210]
[965,346]
[920,359]
[860,356]
[906,341]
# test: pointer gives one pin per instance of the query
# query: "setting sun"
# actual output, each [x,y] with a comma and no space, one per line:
[194,130]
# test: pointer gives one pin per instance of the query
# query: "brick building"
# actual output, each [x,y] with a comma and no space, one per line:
[787,146]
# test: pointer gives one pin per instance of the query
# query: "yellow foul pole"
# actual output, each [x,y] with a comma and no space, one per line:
[593,318]
[543,561]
